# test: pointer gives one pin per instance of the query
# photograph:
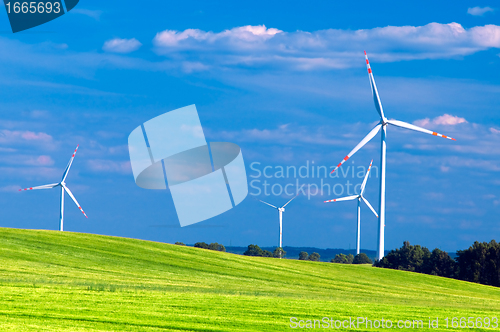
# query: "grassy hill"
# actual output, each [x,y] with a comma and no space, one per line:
[53,281]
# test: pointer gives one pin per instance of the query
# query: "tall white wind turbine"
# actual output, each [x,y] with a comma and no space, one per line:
[359,198]
[280,211]
[382,125]
[64,188]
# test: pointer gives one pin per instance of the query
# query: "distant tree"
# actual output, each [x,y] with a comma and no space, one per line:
[266,253]
[202,245]
[480,263]
[253,250]
[350,258]
[440,264]
[314,257]
[279,253]
[216,246]
[342,259]
[180,243]
[408,258]
[362,258]
[303,256]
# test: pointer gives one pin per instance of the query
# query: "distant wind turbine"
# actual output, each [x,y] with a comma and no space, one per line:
[280,211]
[63,186]
[382,125]
[359,197]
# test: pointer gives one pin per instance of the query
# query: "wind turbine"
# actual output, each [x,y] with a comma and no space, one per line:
[382,125]
[64,188]
[280,211]
[359,197]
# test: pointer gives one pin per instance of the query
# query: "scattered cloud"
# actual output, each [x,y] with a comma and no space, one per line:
[109,166]
[118,45]
[331,49]
[189,66]
[444,169]
[494,131]
[284,134]
[446,119]
[31,174]
[95,14]
[17,136]
[11,188]
[27,160]
[39,114]
[479,11]
[239,37]
[45,161]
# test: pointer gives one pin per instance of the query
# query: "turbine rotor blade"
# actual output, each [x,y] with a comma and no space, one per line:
[65,174]
[366,178]
[74,199]
[268,204]
[289,201]
[416,128]
[46,186]
[368,204]
[347,198]
[376,97]
[365,140]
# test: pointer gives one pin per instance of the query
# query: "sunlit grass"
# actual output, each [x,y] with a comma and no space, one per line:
[52,281]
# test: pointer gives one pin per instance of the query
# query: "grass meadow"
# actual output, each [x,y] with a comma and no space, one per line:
[61,281]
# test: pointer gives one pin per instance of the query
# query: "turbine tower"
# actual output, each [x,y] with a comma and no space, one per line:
[359,197]
[382,125]
[64,188]
[280,211]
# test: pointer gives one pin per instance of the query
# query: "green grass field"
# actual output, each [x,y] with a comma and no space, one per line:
[53,281]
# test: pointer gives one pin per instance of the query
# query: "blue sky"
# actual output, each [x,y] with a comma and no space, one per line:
[284,80]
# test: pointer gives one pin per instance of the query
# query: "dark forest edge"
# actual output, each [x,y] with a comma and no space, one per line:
[480,263]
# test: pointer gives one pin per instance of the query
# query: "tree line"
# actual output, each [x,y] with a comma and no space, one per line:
[212,246]
[255,250]
[480,263]
[360,258]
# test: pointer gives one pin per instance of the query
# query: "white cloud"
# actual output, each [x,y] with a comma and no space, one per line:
[284,135]
[95,14]
[17,136]
[109,166]
[118,45]
[446,119]
[31,173]
[27,160]
[11,188]
[444,169]
[479,11]
[494,131]
[332,48]
[44,161]
[245,34]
